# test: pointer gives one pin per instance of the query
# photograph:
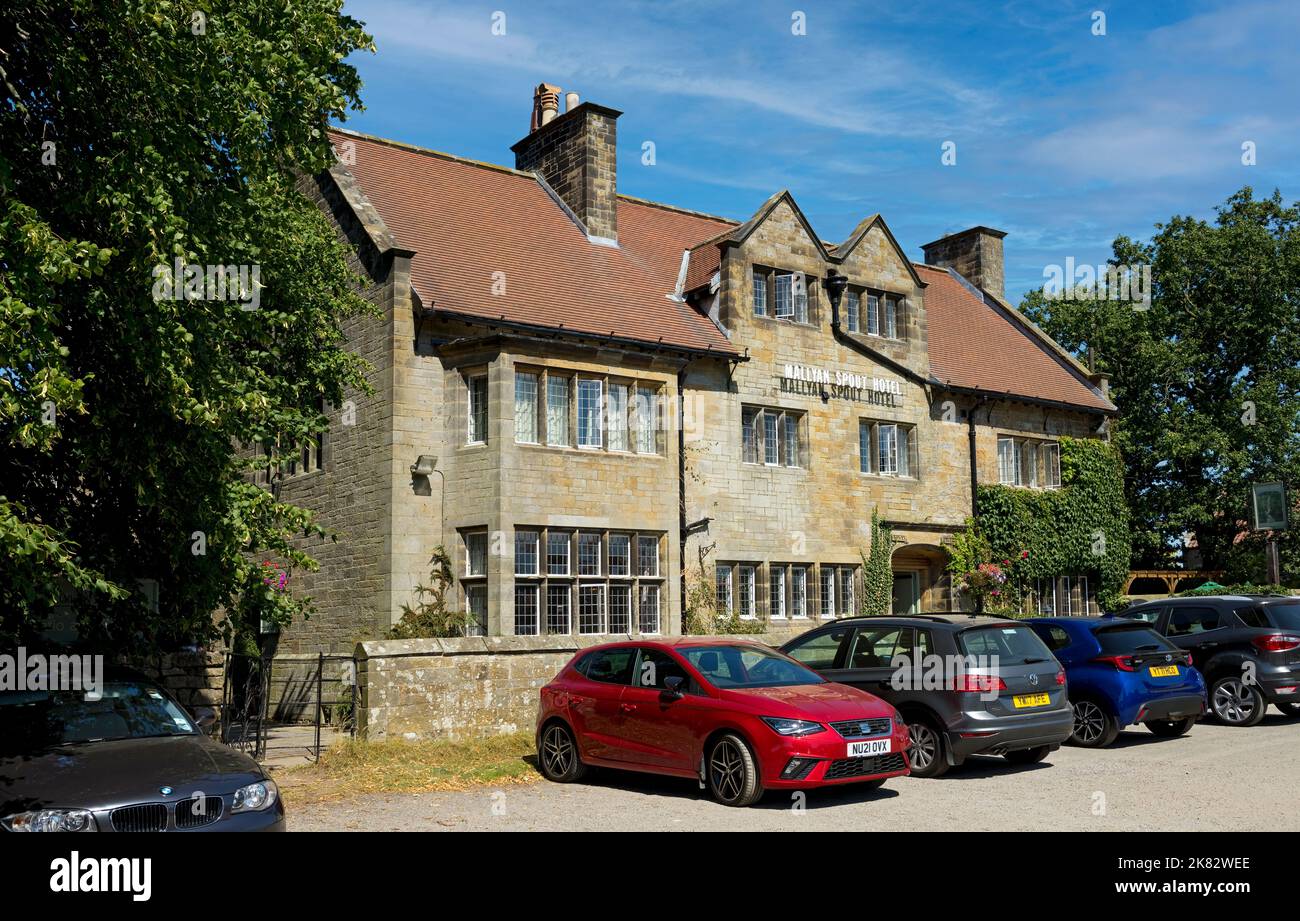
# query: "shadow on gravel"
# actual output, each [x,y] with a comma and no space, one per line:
[981,767]
[1136,738]
[680,788]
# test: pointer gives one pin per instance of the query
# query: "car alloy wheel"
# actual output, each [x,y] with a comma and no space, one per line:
[1089,722]
[733,776]
[559,755]
[1236,703]
[727,770]
[925,754]
[925,746]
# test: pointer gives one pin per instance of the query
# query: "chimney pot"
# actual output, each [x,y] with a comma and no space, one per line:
[577,155]
[546,105]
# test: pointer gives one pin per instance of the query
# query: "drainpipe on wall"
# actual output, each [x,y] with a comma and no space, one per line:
[681,493]
[835,284]
[974,465]
[974,476]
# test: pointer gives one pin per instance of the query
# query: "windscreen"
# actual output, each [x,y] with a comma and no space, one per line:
[747,667]
[32,720]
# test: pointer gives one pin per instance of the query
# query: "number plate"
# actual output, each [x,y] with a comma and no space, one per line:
[1164,671]
[870,748]
[1021,701]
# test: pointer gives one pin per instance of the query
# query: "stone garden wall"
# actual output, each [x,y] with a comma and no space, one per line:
[455,689]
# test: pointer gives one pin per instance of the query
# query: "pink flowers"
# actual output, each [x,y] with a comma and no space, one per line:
[274,576]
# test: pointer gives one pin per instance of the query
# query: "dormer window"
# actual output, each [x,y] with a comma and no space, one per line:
[780,294]
[874,313]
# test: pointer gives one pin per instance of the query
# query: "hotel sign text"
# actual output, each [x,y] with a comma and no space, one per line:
[841,385]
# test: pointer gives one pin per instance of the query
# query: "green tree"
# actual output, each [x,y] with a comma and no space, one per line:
[134,134]
[877,574]
[1207,380]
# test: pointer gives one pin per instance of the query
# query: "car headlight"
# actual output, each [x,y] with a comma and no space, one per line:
[255,796]
[787,727]
[50,820]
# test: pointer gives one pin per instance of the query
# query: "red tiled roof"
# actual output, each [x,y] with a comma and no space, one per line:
[706,259]
[975,344]
[466,221]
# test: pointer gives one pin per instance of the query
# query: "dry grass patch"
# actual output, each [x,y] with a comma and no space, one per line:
[353,767]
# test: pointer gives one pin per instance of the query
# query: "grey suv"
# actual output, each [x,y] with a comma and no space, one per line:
[1014,705]
[1246,646]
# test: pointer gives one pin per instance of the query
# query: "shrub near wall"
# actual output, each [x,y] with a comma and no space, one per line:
[1079,529]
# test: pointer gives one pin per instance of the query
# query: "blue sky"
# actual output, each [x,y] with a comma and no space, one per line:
[1063,138]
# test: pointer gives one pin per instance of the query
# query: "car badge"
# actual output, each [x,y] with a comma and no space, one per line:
[1168,658]
[1033,679]
[864,728]
[165,791]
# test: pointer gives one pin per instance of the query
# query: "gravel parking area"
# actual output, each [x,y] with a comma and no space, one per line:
[1213,779]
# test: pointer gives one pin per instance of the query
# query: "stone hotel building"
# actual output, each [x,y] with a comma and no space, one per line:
[597,403]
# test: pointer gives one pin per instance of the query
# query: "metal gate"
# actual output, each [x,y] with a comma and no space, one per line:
[303,704]
[336,703]
[244,696]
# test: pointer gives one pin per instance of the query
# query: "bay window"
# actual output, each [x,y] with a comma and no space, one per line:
[558,389]
[477,388]
[590,427]
[617,424]
[591,590]
[526,420]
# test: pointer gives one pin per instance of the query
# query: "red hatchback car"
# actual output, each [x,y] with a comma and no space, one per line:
[739,716]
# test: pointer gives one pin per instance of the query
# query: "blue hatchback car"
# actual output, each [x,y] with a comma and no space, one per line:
[1121,673]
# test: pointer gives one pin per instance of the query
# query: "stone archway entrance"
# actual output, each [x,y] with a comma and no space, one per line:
[921,581]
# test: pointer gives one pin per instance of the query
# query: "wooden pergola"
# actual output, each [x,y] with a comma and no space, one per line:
[1171,577]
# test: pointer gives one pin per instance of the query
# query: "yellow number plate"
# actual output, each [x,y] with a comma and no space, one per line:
[1164,671]
[1031,700]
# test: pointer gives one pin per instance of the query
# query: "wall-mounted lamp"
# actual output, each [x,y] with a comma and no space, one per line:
[696,526]
[835,283]
[424,465]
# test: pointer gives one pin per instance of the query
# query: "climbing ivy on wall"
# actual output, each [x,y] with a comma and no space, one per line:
[877,575]
[1080,529]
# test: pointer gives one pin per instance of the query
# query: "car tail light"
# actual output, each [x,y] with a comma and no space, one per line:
[1060,679]
[978,684]
[1123,663]
[1276,642]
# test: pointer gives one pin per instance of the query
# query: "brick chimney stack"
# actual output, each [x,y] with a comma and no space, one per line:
[576,153]
[974,254]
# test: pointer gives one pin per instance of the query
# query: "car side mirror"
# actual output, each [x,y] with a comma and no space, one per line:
[205,718]
[673,687]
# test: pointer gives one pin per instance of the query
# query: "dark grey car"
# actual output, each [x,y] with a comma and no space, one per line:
[1246,646]
[1017,708]
[131,760]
